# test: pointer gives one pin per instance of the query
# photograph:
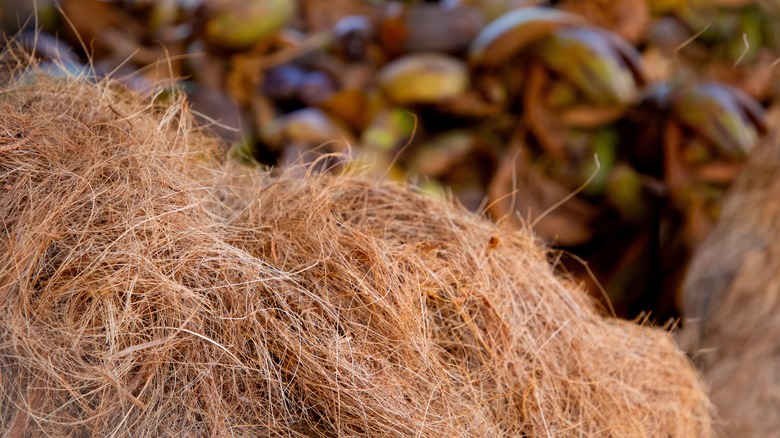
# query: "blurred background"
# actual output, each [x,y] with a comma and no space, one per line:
[499,104]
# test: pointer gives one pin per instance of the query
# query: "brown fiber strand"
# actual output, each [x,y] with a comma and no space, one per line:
[146,289]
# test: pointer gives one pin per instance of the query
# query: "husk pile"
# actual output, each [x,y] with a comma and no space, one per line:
[148,290]
[732,300]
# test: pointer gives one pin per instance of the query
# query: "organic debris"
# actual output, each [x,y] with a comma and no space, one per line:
[668,94]
[148,290]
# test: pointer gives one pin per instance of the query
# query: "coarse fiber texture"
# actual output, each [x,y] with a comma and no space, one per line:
[732,301]
[147,289]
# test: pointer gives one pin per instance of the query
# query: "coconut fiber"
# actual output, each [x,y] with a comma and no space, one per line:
[148,289]
[732,301]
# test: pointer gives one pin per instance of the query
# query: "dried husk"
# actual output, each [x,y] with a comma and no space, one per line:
[147,289]
[731,300]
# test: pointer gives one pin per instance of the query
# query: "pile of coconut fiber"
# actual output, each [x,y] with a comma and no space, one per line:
[732,300]
[147,289]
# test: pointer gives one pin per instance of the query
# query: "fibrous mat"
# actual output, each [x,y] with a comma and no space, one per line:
[148,288]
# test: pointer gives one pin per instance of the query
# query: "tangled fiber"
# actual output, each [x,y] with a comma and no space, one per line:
[147,289]
[732,299]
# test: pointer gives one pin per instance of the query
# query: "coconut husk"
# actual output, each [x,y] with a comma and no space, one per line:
[731,300]
[147,289]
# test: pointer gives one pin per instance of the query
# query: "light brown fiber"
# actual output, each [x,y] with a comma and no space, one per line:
[148,289]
